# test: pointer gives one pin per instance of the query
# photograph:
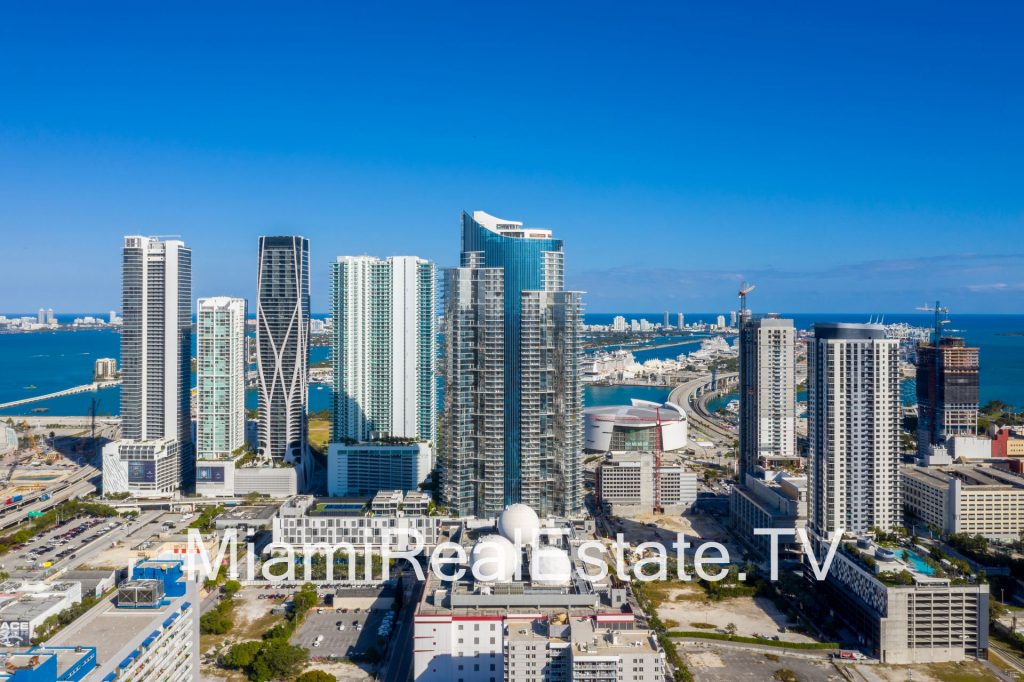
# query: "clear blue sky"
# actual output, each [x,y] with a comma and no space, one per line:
[849,157]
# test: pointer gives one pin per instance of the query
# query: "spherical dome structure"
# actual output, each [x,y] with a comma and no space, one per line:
[550,566]
[519,517]
[493,559]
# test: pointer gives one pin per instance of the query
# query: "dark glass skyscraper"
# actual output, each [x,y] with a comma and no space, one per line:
[512,419]
[282,349]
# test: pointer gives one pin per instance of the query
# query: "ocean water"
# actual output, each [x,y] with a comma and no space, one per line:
[44,362]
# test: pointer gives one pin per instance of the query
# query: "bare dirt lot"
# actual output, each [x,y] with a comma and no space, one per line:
[752,616]
[710,664]
[933,672]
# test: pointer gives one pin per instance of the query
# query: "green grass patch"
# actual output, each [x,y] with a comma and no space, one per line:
[703,626]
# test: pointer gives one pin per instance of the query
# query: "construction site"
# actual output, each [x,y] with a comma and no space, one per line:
[46,460]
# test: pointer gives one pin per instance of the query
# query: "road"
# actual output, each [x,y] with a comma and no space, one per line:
[398,661]
[96,385]
[699,418]
[76,485]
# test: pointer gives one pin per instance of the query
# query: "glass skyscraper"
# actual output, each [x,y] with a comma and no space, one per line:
[512,417]
[282,349]
[220,391]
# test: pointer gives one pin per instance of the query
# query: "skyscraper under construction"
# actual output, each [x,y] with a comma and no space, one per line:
[947,391]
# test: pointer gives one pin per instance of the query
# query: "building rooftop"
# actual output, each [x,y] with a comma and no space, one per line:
[640,414]
[973,475]
[109,629]
[591,639]
[69,663]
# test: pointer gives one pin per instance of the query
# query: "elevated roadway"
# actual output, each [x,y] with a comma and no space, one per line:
[692,395]
[84,388]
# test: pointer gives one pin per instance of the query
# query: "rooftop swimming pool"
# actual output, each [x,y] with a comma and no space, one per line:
[919,564]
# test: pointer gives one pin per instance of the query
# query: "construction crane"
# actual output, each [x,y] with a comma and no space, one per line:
[941,318]
[745,289]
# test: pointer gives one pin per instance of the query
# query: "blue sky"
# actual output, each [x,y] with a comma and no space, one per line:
[853,157]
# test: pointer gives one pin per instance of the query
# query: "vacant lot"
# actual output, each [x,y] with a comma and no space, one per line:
[752,616]
[967,671]
[710,664]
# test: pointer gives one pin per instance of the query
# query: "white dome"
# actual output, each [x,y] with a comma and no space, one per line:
[493,559]
[550,566]
[519,517]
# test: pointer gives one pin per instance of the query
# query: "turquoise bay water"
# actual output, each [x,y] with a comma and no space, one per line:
[52,361]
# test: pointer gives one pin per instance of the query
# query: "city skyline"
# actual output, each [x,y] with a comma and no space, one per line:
[875,175]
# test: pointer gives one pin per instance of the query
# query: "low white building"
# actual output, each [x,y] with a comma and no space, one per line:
[626,484]
[304,520]
[365,468]
[25,604]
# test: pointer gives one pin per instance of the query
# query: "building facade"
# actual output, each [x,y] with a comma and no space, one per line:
[220,391]
[776,501]
[513,406]
[384,348]
[365,468]
[767,375]
[947,392]
[301,521]
[853,403]
[282,349]
[156,359]
[920,619]
[627,484]
[971,499]
[149,631]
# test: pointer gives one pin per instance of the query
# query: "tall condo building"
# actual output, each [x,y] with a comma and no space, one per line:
[154,457]
[513,400]
[384,348]
[767,392]
[947,392]
[282,350]
[220,392]
[853,378]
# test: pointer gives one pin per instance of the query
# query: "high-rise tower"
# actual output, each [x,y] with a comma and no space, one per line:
[767,375]
[512,419]
[853,391]
[220,392]
[384,348]
[282,350]
[154,456]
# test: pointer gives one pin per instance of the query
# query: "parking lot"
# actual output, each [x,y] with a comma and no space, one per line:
[63,542]
[357,639]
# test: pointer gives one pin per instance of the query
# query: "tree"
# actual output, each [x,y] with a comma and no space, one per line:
[214,622]
[316,676]
[241,655]
[231,587]
[730,629]
[277,659]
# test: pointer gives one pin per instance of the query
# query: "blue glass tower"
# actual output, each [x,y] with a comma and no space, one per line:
[513,399]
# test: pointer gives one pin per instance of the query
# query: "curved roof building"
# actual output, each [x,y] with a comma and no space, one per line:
[624,428]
